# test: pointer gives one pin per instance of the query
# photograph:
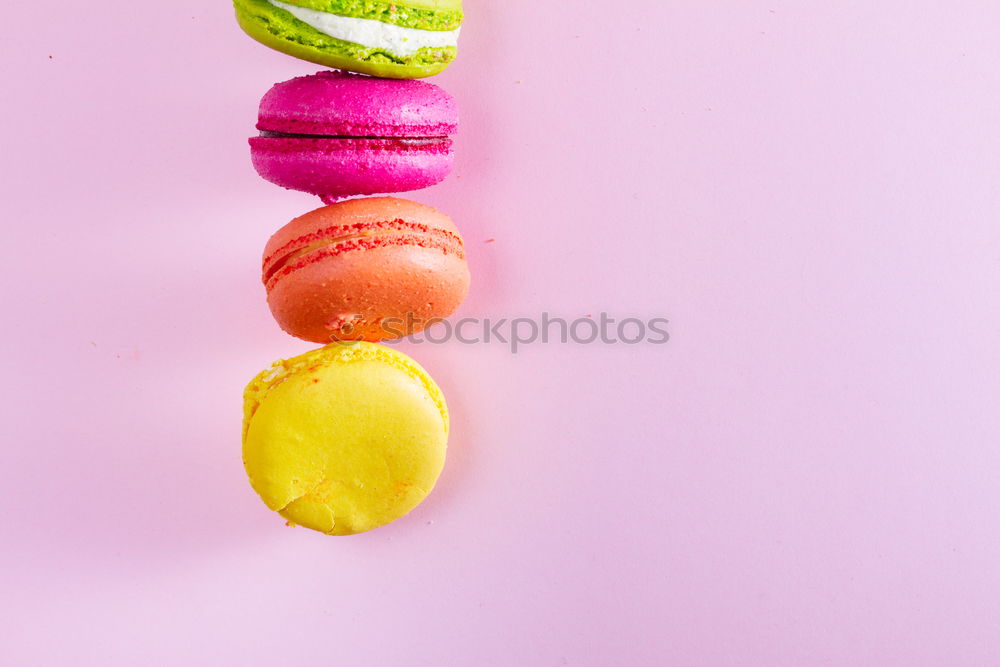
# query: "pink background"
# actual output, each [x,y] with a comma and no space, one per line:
[808,474]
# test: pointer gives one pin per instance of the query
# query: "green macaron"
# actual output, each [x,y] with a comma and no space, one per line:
[391,39]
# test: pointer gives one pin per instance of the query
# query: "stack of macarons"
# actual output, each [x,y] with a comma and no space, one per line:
[353,435]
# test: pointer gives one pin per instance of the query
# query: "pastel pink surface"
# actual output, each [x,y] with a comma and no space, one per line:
[385,115]
[806,474]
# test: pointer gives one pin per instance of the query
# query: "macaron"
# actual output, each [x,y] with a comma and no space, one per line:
[384,38]
[336,134]
[365,269]
[345,438]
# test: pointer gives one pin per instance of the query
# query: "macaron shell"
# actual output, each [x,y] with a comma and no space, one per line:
[336,168]
[452,5]
[444,5]
[343,104]
[266,24]
[374,293]
[362,211]
[344,439]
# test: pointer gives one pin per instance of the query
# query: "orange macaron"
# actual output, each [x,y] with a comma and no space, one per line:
[365,269]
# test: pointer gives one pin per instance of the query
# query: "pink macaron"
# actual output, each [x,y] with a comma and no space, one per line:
[336,134]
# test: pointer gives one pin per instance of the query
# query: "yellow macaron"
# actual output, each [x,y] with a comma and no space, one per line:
[345,438]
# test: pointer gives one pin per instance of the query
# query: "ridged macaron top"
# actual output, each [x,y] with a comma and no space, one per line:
[334,103]
[358,224]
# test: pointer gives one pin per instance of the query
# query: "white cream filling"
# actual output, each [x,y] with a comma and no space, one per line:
[371,33]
